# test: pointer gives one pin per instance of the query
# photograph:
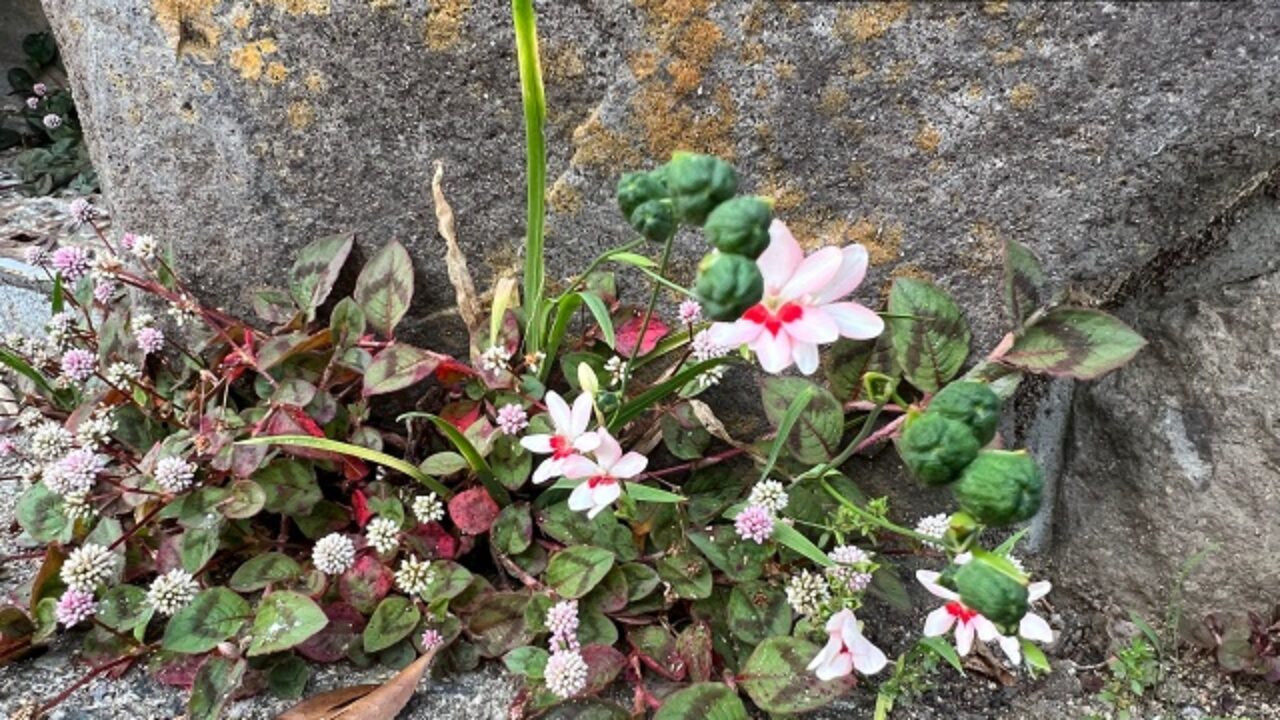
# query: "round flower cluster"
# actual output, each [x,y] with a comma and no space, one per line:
[172,591]
[617,369]
[87,567]
[934,526]
[75,472]
[495,359]
[334,554]
[150,340]
[144,247]
[562,621]
[74,607]
[428,508]
[853,568]
[123,374]
[754,523]
[79,365]
[52,121]
[689,312]
[512,419]
[769,494]
[76,506]
[73,262]
[383,534]
[49,441]
[96,430]
[431,639]
[104,291]
[173,474]
[81,210]
[703,348]
[566,673]
[807,592]
[414,575]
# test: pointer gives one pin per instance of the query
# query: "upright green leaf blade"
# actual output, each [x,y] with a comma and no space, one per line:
[814,421]
[535,113]
[1074,342]
[930,336]
[316,269]
[601,313]
[385,287]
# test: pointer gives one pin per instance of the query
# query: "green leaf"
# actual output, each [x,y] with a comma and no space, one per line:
[510,462]
[703,701]
[213,616]
[21,367]
[601,313]
[290,487]
[122,607]
[777,679]
[942,648]
[792,538]
[393,620]
[444,463]
[758,611]
[346,324]
[1024,282]
[245,498]
[215,683]
[1034,658]
[632,409]
[740,560]
[287,678]
[847,361]
[644,493]
[1073,342]
[497,625]
[683,434]
[385,287]
[512,532]
[57,300]
[363,453]
[930,336]
[535,116]
[527,661]
[260,571]
[807,417]
[199,545]
[316,269]
[284,619]
[40,513]
[688,574]
[573,571]
[273,305]
[633,259]
[464,446]
[398,366]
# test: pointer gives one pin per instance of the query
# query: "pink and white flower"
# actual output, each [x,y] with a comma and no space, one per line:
[1032,626]
[966,621]
[846,650]
[601,486]
[754,523]
[569,439]
[802,306]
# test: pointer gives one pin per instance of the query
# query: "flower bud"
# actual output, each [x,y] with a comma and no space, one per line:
[935,448]
[740,226]
[698,183]
[1000,487]
[972,403]
[727,285]
[991,585]
[637,188]
[655,220]
[587,379]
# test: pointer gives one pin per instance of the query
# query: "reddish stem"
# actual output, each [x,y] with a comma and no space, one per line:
[84,679]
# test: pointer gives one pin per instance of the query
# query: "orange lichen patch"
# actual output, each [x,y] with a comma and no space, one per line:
[928,138]
[206,85]
[995,7]
[833,100]
[241,16]
[597,146]
[760,91]
[300,7]
[784,70]
[870,21]
[300,114]
[189,26]
[784,193]
[316,82]
[1022,96]
[564,198]
[685,76]
[247,59]
[752,53]
[563,61]
[753,19]
[670,125]
[904,270]
[444,23]
[1008,57]
[698,41]
[643,64]
[276,72]
[665,14]
[986,248]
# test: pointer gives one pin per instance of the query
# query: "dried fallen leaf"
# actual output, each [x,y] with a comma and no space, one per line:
[456,263]
[707,417]
[364,702]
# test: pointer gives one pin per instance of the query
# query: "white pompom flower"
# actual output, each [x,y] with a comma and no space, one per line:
[334,554]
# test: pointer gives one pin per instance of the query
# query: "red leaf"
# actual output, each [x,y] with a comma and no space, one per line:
[461,414]
[178,670]
[452,372]
[293,420]
[360,508]
[603,665]
[629,332]
[434,542]
[330,644]
[365,583]
[473,511]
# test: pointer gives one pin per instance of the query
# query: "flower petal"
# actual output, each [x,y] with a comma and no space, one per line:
[779,261]
[964,637]
[1012,649]
[580,498]
[604,495]
[1034,627]
[867,658]
[929,579]
[558,409]
[938,622]
[774,351]
[806,356]
[836,667]
[812,275]
[540,444]
[731,335]
[854,321]
[813,326]
[824,656]
[576,467]
[631,465]
[1037,590]
[853,268]
[986,629]
[586,442]
[581,414]
[608,451]
[547,469]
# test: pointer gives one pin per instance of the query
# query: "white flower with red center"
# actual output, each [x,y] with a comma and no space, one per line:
[846,650]
[1031,627]
[569,439]
[802,306]
[601,486]
[954,614]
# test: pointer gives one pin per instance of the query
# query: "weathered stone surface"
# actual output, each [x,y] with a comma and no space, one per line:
[1181,451]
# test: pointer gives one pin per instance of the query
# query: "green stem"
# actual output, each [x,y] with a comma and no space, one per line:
[667,283]
[600,260]
[535,108]
[648,315]
[875,519]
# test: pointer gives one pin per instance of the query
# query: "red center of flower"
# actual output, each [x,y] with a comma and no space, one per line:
[561,448]
[960,612]
[597,480]
[773,321]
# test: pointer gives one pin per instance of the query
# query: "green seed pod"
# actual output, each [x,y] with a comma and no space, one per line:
[698,183]
[995,593]
[727,285]
[740,226]
[655,220]
[972,403]
[936,448]
[637,188]
[1000,487]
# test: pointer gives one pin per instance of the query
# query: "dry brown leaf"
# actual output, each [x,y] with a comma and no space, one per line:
[364,702]
[707,417]
[464,288]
